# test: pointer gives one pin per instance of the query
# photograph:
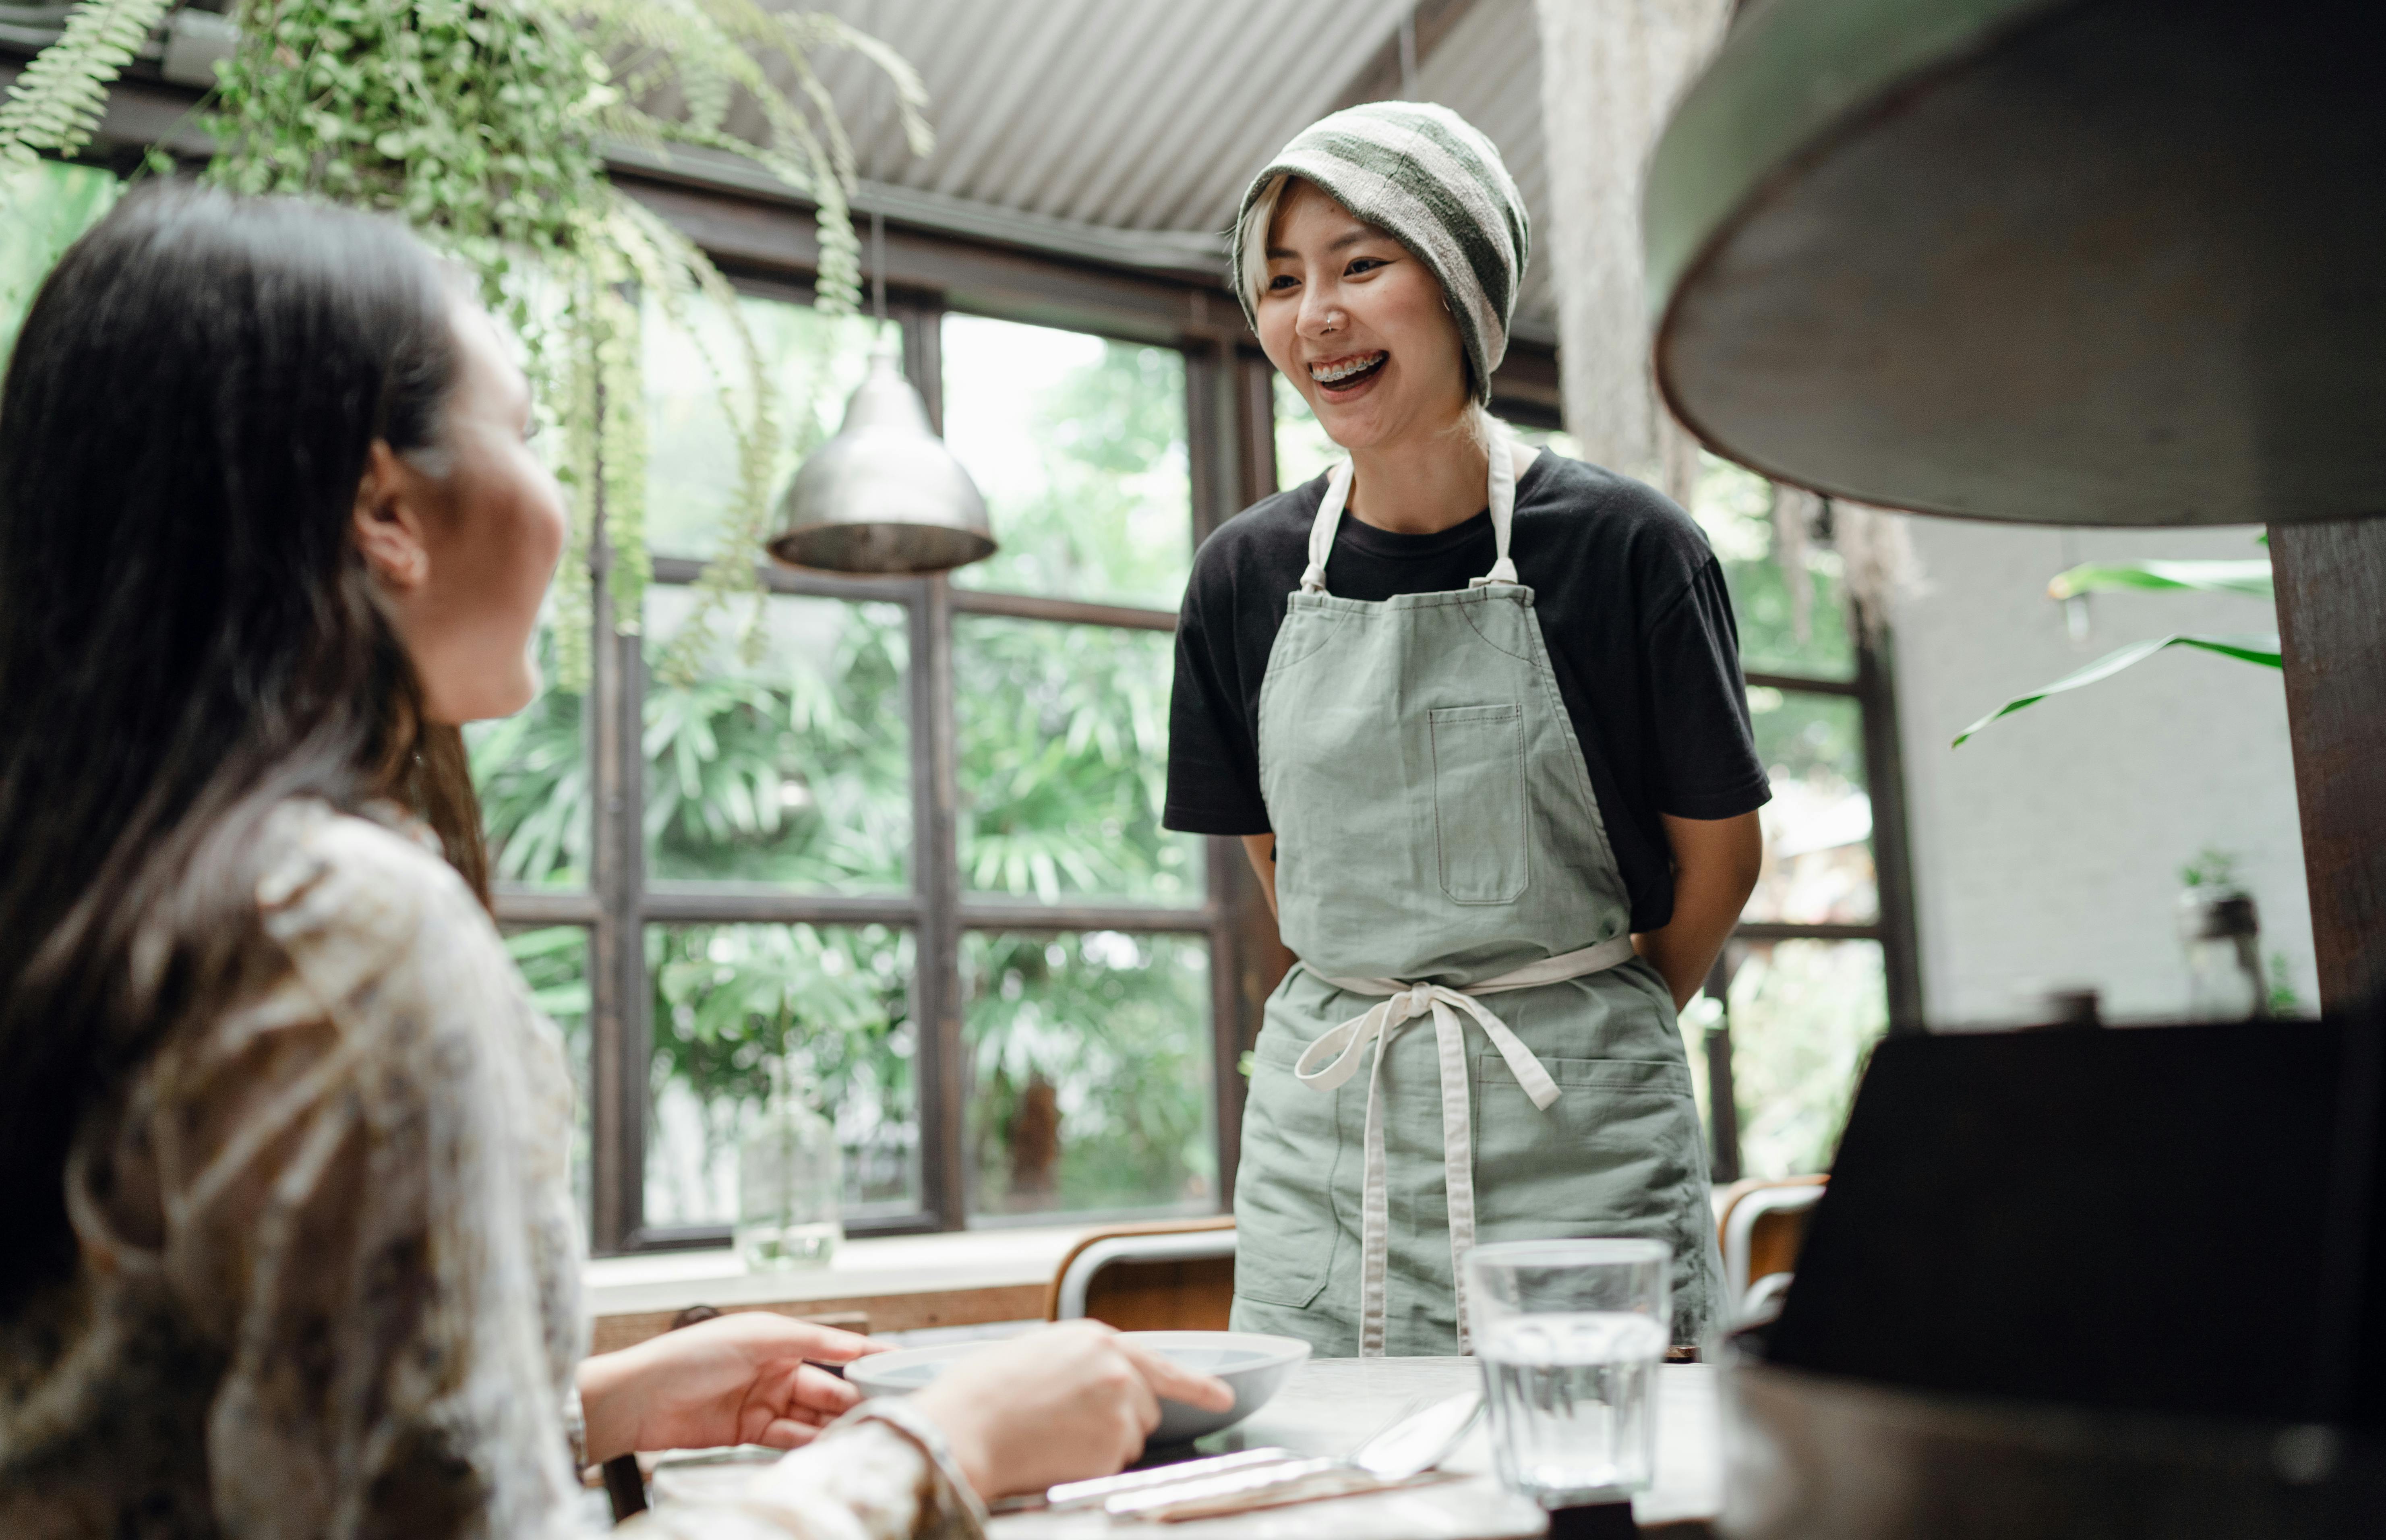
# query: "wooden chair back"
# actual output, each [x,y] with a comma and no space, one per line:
[1158,1288]
[1761,1224]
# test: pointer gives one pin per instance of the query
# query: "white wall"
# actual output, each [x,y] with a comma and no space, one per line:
[2047,850]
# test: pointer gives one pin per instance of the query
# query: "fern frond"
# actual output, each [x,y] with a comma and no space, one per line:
[710,49]
[56,102]
[812,29]
[675,271]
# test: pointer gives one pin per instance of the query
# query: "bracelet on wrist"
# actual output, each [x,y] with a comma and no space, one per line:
[921,1430]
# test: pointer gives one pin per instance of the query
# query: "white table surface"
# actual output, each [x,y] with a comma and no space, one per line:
[1327,1408]
[1331,1404]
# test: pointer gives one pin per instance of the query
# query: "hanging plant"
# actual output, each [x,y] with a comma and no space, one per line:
[480,122]
[56,102]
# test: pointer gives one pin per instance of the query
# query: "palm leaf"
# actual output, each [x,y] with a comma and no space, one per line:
[2251,649]
[2251,578]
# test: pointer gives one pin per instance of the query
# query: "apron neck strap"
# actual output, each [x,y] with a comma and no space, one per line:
[1504,468]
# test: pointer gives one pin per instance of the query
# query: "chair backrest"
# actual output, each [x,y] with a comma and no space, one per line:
[1762,1226]
[1169,1275]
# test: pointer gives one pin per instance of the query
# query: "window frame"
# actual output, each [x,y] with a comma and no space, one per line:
[620,902]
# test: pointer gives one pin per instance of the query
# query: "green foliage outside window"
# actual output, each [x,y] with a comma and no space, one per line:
[531,771]
[1804,1014]
[47,205]
[1064,762]
[554,963]
[728,999]
[1091,1071]
[1079,446]
[1735,507]
[791,767]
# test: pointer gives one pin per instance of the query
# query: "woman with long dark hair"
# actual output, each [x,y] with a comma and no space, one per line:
[287,1243]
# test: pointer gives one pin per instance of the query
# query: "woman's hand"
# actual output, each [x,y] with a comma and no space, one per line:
[1062,1404]
[736,1378]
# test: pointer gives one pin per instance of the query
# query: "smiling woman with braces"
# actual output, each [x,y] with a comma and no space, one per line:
[1504,828]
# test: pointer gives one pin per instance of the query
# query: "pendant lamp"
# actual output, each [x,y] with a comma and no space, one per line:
[883,496]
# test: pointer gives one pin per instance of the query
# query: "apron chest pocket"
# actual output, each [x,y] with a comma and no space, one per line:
[1479,814]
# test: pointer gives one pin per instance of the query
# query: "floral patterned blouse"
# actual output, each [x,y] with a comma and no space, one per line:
[330,1276]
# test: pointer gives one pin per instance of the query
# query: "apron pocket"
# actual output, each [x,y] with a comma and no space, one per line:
[1619,1153]
[1285,1227]
[1478,803]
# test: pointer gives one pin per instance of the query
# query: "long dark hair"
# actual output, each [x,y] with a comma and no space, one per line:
[188,633]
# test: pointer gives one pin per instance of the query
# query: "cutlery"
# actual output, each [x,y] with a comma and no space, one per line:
[1408,1448]
[1086,1494]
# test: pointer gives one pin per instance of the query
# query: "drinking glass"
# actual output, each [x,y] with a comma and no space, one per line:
[1570,1333]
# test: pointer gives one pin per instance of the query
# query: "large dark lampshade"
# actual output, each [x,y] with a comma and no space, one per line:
[2064,261]
[884,495]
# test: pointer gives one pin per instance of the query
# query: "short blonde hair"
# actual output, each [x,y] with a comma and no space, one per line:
[1252,242]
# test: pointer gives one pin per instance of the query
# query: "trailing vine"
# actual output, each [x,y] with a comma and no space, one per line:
[481,123]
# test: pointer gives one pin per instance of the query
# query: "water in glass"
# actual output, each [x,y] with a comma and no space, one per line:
[1571,1404]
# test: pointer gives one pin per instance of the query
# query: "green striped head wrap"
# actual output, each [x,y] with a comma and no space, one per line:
[1428,179]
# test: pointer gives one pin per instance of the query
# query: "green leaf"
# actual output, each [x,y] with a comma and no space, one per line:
[2251,649]
[2251,578]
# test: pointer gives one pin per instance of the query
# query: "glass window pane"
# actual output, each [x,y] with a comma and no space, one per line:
[1063,740]
[814,361]
[1090,1059]
[1803,1015]
[1818,827]
[1078,443]
[554,962]
[1735,507]
[1302,450]
[531,771]
[49,205]
[729,998]
[788,764]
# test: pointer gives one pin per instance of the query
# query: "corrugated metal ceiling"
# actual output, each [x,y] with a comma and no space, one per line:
[1152,115]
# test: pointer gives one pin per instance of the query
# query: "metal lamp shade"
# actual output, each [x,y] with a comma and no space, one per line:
[884,495]
[2068,261]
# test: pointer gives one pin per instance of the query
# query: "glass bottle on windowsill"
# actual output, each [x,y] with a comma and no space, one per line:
[790,1179]
[2222,933]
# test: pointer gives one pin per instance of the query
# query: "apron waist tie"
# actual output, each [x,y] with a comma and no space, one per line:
[1333,1058]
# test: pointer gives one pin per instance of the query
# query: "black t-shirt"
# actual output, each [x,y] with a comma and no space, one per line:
[1633,609]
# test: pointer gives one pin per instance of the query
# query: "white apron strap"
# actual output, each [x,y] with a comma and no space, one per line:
[1322,527]
[1333,1058]
[1509,457]
[1502,502]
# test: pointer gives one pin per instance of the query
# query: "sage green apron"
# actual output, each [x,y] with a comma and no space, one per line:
[1442,861]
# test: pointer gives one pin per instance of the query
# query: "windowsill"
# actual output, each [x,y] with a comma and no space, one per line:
[888,1268]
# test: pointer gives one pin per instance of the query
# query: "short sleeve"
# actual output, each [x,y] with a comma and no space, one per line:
[1214,759]
[1703,749]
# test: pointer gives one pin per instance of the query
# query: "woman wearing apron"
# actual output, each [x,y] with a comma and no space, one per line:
[1478,712]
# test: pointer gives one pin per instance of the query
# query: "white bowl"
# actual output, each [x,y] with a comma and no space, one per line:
[1256,1366]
